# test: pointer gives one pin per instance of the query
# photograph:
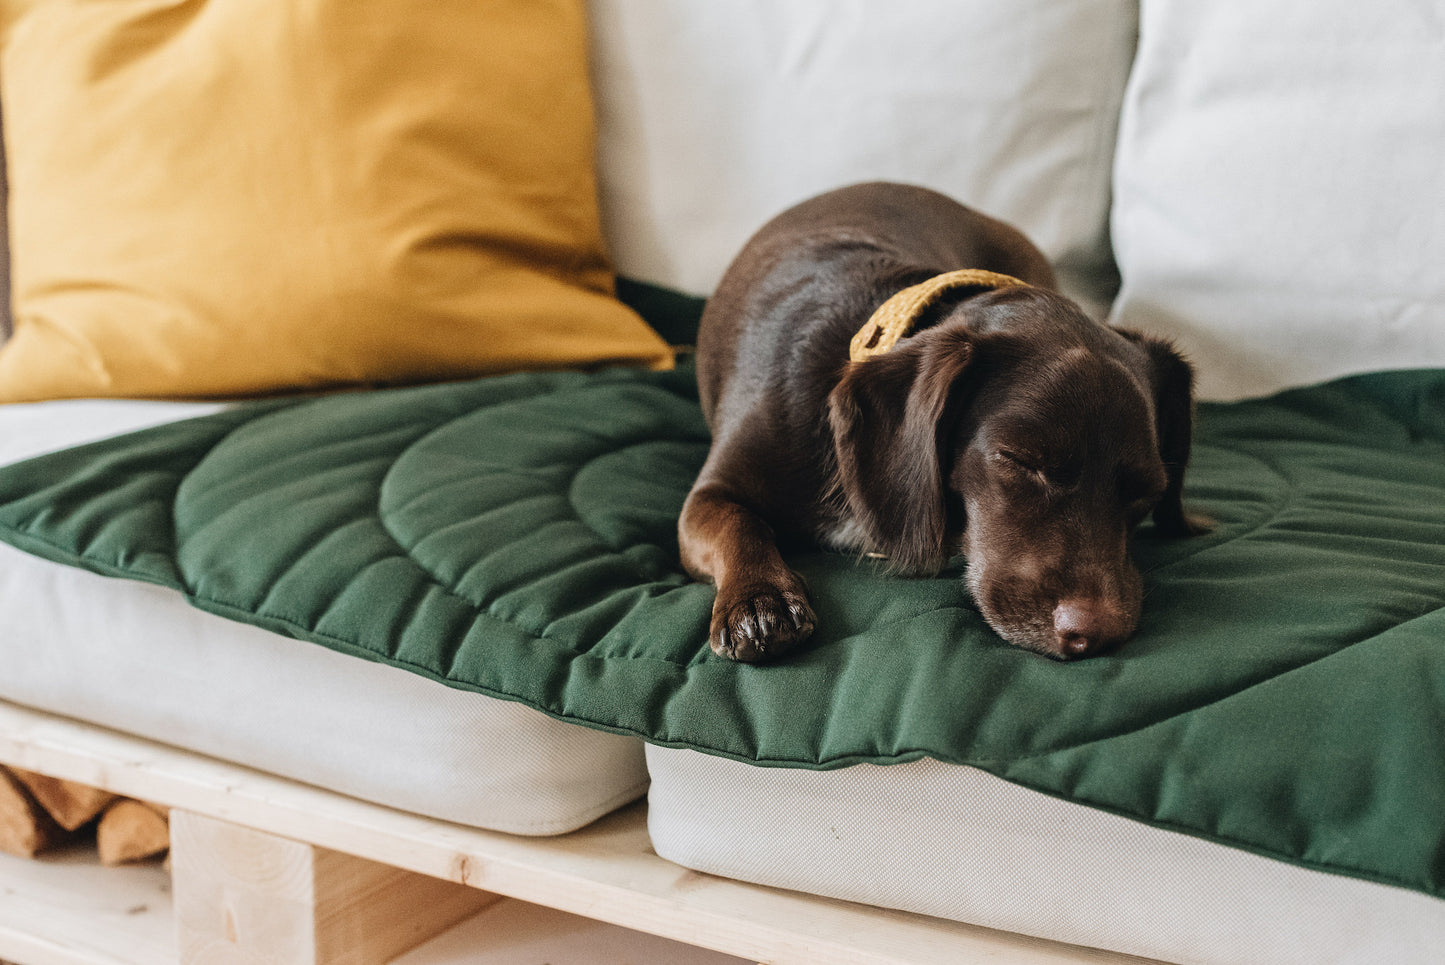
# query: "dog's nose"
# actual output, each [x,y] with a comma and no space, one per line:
[1084,626]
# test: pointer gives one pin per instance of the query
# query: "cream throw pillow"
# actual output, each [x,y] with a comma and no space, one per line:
[1279,189]
[716,116]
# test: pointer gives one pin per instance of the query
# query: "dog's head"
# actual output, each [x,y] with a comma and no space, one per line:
[1034,440]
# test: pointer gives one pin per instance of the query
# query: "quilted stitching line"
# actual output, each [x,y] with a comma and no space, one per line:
[570,470]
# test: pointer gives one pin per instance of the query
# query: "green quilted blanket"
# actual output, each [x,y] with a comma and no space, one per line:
[515,536]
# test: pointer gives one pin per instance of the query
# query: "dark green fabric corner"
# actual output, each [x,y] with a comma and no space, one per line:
[515,536]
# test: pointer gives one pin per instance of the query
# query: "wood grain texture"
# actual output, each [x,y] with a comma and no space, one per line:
[71,804]
[130,831]
[65,909]
[25,828]
[247,896]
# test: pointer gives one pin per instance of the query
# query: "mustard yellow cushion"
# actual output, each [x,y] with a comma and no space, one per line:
[235,197]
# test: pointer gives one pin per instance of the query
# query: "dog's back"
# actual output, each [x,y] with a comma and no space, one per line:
[819,269]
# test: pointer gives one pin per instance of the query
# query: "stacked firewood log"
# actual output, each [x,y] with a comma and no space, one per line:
[38,813]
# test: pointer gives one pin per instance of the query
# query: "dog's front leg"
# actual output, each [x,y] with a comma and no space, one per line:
[761,608]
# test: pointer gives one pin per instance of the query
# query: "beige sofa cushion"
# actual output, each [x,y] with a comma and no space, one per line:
[713,117]
[1281,170]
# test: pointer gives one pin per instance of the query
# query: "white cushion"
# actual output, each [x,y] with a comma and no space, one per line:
[713,117]
[958,843]
[1280,177]
[138,658]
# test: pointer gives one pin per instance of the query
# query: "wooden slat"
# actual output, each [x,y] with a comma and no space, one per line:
[65,909]
[518,933]
[606,871]
[246,896]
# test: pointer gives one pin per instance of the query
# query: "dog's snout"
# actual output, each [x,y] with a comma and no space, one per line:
[1083,627]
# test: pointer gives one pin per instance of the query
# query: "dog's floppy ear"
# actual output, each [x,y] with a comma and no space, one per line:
[889,415]
[1172,379]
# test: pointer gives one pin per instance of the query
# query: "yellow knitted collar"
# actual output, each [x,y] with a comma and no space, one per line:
[896,317]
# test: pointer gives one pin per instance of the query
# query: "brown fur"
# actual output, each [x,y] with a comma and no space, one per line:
[1009,426]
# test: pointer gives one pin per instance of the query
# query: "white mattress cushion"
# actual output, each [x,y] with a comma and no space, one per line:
[959,843]
[138,658]
[1280,174]
[713,117]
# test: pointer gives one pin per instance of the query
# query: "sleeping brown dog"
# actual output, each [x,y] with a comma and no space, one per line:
[1004,424]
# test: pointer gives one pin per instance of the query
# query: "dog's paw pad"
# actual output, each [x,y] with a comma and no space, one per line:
[761,626]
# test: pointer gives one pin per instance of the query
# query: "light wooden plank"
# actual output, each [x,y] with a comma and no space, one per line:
[247,896]
[65,909]
[516,933]
[606,871]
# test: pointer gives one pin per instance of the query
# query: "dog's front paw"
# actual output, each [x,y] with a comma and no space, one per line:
[761,624]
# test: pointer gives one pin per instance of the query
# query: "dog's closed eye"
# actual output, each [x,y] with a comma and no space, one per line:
[1020,460]
[1036,468]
